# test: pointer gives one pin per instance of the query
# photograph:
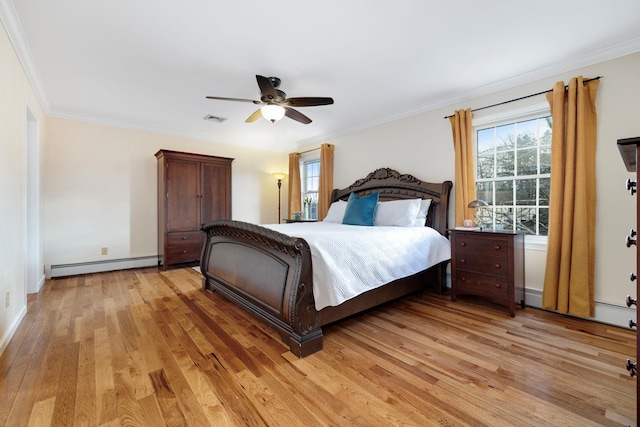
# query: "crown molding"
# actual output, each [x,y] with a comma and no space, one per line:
[13,28]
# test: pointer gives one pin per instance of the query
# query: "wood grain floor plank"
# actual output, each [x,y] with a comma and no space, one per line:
[85,400]
[42,413]
[147,347]
[64,409]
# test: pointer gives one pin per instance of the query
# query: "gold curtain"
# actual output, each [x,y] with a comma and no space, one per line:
[295,192]
[465,184]
[569,277]
[326,180]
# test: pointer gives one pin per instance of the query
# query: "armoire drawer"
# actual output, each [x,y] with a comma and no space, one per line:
[187,238]
[184,247]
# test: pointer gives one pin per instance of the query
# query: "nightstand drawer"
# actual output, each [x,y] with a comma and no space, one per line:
[497,266]
[482,244]
[492,287]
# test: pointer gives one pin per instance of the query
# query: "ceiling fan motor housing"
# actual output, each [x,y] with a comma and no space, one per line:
[274,81]
[280,96]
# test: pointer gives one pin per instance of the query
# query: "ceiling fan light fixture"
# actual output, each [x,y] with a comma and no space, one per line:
[272,112]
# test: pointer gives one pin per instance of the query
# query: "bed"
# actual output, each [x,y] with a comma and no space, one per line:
[270,273]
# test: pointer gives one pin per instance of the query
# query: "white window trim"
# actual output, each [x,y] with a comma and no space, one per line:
[516,115]
[306,158]
[538,243]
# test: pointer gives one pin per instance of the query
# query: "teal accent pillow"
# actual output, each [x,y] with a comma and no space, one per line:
[360,210]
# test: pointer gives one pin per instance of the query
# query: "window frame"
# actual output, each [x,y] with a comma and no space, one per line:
[530,112]
[304,161]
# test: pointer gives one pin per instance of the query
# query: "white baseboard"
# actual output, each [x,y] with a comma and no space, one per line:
[38,286]
[607,313]
[12,330]
[101,266]
[610,314]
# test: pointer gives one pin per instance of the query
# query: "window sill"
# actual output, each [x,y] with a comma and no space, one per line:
[535,243]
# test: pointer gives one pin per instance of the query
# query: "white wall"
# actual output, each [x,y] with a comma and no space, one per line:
[16,98]
[101,182]
[422,145]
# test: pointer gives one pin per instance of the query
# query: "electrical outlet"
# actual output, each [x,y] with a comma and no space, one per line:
[105,251]
[6,300]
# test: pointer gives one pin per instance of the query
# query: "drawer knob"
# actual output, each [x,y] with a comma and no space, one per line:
[496,247]
[463,279]
[632,323]
[630,301]
[632,277]
[463,244]
[463,261]
[631,186]
[497,265]
[498,285]
[632,367]
[184,237]
[184,251]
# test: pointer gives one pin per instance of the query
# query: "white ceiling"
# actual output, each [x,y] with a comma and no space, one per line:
[148,64]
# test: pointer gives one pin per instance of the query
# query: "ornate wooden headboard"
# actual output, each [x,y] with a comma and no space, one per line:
[392,185]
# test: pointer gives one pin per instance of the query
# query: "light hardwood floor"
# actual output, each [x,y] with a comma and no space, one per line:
[144,347]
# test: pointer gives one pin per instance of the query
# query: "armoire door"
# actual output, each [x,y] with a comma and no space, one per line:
[215,184]
[182,196]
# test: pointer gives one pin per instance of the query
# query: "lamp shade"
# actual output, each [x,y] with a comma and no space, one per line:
[279,175]
[476,203]
[272,112]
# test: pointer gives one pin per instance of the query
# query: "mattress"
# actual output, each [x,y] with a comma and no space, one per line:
[349,260]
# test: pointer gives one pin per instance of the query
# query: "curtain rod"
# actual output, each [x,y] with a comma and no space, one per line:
[308,151]
[524,97]
[313,149]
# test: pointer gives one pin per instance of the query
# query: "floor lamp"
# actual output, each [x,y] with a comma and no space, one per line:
[279,176]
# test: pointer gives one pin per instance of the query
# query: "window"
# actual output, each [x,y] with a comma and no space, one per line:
[310,187]
[513,174]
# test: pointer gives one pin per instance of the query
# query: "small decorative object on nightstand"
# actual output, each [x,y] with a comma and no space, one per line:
[490,264]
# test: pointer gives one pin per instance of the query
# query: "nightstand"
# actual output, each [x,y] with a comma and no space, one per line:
[489,264]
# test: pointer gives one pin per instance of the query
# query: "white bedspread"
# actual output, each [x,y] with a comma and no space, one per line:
[349,260]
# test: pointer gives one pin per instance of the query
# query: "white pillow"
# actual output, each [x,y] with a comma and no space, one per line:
[421,218]
[399,213]
[336,212]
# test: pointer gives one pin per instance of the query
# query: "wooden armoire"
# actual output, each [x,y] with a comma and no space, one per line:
[193,189]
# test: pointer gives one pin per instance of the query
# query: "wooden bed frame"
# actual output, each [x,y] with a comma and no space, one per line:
[270,273]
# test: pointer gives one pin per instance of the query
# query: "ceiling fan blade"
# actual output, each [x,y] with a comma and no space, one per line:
[235,99]
[266,88]
[308,101]
[255,116]
[297,116]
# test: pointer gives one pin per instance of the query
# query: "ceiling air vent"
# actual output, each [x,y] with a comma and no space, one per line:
[212,118]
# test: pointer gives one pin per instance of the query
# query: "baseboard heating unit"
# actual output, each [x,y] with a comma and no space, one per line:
[62,270]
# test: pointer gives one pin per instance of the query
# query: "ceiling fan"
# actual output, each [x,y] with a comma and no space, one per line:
[275,103]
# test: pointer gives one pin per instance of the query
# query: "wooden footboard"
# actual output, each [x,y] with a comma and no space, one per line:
[269,274]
